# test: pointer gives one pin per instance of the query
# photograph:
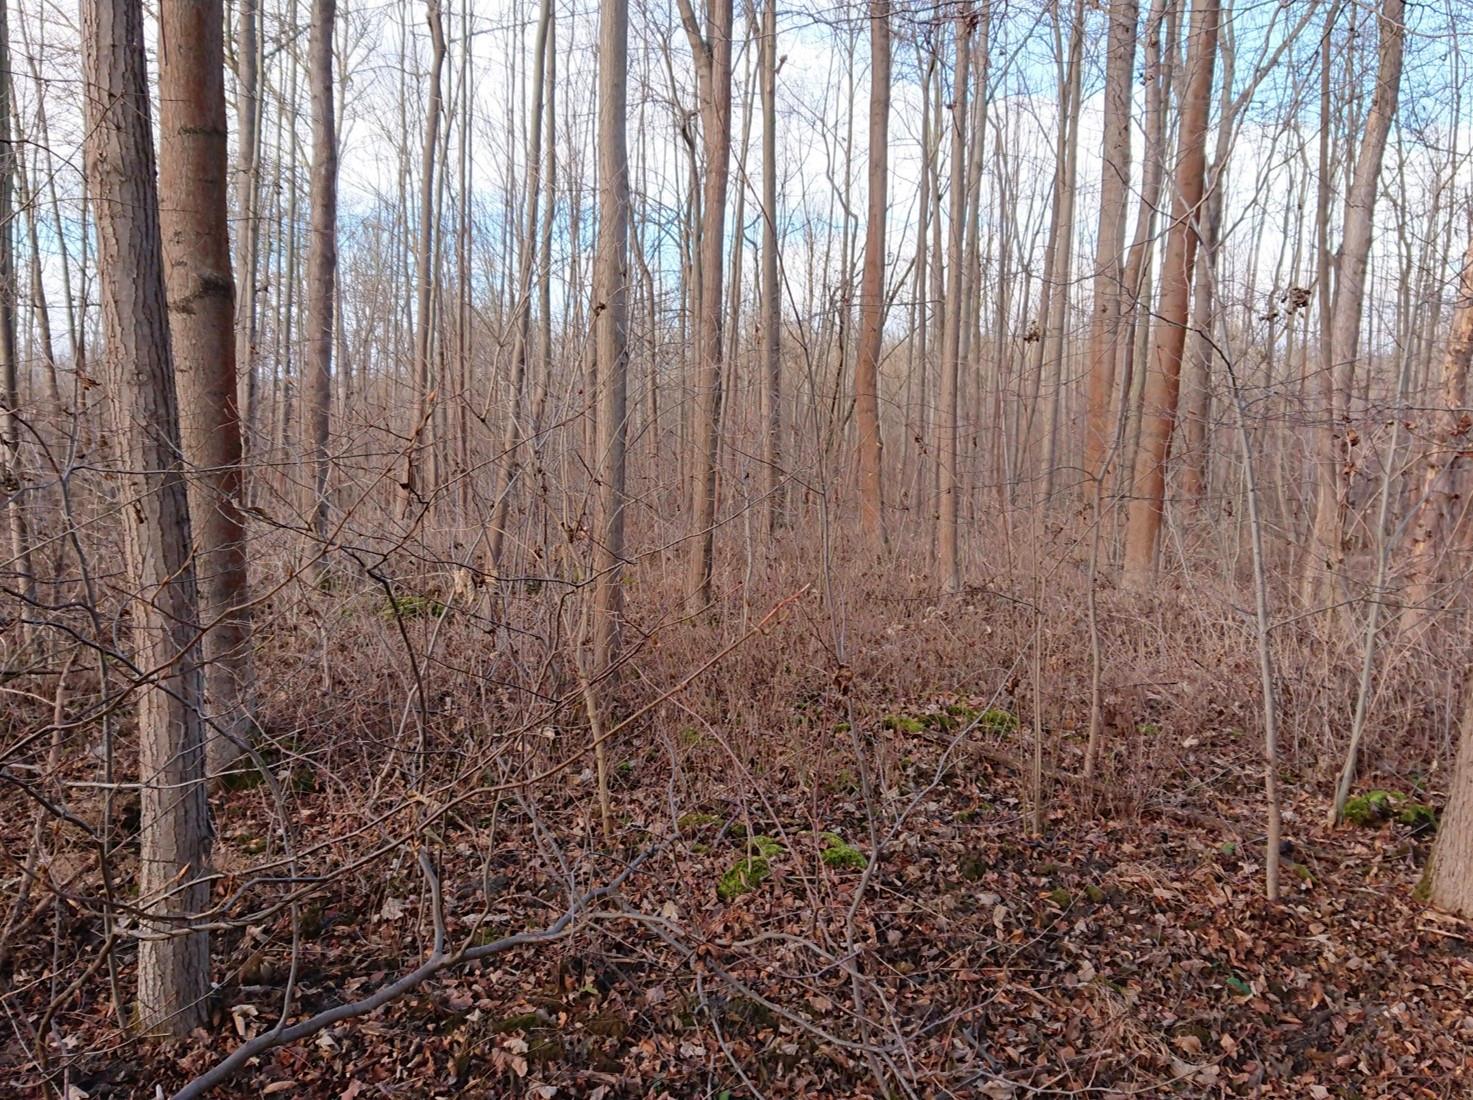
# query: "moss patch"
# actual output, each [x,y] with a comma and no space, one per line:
[842,856]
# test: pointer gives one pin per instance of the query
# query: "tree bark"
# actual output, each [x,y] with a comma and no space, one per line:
[1449,874]
[1109,272]
[173,970]
[948,564]
[1163,378]
[712,51]
[322,261]
[872,282]
[1324,564]
[1431,529]
[771,292]
[194,176]
[425,269]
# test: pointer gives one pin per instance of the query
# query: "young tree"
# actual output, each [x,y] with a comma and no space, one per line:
[1163,377]
[711,48]
[173,962]
[322,259]
[1449,874]
[194,181]
[872,280]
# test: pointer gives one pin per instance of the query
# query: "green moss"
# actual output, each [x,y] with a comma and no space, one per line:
[1370,808]
[997,720]
[903,723]
[743,877]
[522,1021]
[1094,893]
[766,847]
[961,712]
[1417,816]
[693,821]
[841,856]
[410,607]
[1060,897]
[973,867]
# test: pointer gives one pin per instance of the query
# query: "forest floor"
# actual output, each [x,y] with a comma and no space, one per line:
[759,948]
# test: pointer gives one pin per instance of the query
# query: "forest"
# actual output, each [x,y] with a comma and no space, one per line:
[893,549]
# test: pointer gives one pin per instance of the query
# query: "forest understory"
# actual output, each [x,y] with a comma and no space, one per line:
[833,876]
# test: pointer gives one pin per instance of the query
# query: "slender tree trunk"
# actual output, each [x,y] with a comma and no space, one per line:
[248,139]
[771,292]
[174,833]
[194,177]
[12,470]
[1163,378]
[948,565]
[872,281]
[611,347]
[1323,566]
[322,260]
[1109,273]
[712,50]
[411,487]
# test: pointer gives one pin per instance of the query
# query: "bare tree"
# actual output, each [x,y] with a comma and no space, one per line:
[1163,378]
[872,281]
[194,175]
[1433,522]
[948,565]
[173,962]
[711,48]
[771,309]
[1109,271]
[1323,566]
[322,258]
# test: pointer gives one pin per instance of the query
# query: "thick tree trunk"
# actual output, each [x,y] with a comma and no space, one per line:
[173,969]
[194,218]
[1163,377]
[322,259]
[872,281]
[1449,875]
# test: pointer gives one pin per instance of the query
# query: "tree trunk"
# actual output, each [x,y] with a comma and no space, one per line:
[1324,564]
[1449,874]
[248,131]
[872,281]
[611,347]
[411,488]
[712,50]
[194,177]
[1430,531]
[1163,377]
[174,834]
[948,564]
[322,258]
[771,292]
[12,470]
[1104,331]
